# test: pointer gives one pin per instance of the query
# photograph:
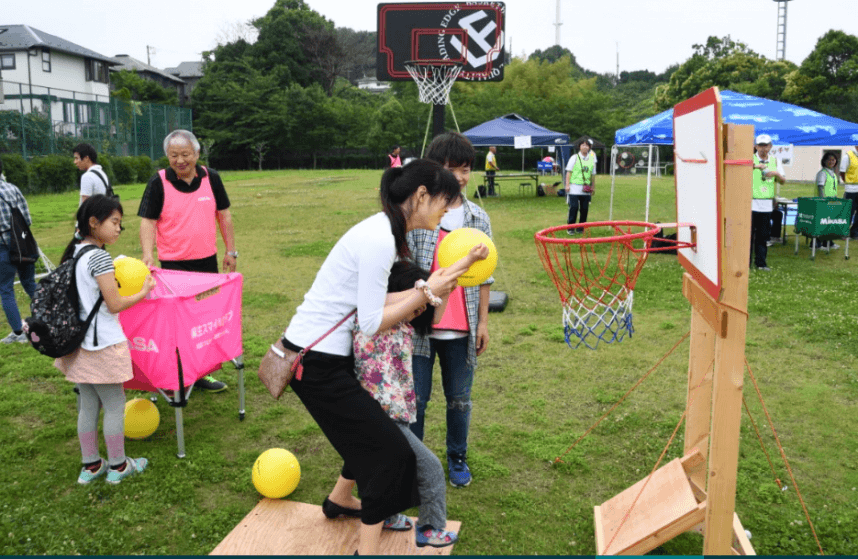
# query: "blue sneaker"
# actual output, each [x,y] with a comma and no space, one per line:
[87,476]
[427,535]
[460,474]
[132,466]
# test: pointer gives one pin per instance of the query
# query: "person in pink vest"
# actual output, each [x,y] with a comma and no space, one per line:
[182,208]
[393,156]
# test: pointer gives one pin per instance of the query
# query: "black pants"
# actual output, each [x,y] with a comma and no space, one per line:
[761,227]
[375,452]
[777,222]
[490,175]
[578,202]
[207,265]
[853,218]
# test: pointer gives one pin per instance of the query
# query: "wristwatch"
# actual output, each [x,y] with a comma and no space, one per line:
[233,253]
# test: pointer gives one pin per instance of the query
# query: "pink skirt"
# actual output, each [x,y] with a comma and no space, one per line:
[110,365]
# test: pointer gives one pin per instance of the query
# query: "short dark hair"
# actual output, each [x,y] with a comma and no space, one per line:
[828,154]
[452,149]
[86,150]
[403,275]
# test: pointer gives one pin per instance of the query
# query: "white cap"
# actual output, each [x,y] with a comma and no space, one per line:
[764,139]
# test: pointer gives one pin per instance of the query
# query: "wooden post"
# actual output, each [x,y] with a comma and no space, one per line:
[728,375]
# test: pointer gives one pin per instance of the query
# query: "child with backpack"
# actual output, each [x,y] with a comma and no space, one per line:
[103,362]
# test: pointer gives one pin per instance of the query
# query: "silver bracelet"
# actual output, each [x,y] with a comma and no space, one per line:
[433,300]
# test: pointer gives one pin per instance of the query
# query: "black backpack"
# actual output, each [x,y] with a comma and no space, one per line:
[23,248]
[55,329]
[108,190]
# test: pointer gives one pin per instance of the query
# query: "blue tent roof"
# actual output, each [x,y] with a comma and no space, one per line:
[503,130]
[785,123]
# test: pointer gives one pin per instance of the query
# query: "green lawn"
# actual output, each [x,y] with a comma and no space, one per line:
[533,395]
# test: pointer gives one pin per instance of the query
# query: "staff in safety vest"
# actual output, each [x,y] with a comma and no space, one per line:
[580,183]
[395,161]
[849,174]
[826,182]
[767,171]
[182,208]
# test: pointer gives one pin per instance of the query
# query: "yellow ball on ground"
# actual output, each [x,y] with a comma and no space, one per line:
[130,275]
[141,418]
[457,244]
[276,473]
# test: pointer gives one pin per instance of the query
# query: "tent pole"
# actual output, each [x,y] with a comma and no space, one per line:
[614,152]
[648,180]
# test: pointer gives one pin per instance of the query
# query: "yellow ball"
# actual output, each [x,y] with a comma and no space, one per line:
[141,418]
[130,275]
[456,246]
[276,473]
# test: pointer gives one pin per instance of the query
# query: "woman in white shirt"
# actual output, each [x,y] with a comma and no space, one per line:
[354,277]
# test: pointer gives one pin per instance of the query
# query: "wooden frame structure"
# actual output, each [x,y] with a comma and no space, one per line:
[698,491]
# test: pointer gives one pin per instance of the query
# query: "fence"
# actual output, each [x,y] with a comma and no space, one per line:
[37,120]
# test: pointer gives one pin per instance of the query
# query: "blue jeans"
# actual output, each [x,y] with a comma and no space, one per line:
[457,377]
[27,273]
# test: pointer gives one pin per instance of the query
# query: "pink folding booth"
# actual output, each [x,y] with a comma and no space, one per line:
[187,327]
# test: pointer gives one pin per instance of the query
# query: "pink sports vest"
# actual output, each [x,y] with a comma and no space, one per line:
[456,315]
[395,161]
[187,227]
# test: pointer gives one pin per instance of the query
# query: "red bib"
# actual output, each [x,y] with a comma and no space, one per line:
[456,315]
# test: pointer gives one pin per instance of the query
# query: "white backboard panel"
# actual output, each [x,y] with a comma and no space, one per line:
[698,159]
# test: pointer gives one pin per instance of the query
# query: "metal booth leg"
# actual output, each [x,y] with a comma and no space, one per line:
[238,362]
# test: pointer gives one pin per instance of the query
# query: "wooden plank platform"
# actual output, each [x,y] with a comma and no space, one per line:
[282,527]
[667,505]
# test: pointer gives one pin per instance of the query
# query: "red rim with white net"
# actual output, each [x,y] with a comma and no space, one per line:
[595,274]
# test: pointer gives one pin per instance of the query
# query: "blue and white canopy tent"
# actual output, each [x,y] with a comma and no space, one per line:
[785,123]
[504,130]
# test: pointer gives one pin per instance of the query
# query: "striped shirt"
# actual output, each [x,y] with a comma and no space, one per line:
[422,243]
[10,193]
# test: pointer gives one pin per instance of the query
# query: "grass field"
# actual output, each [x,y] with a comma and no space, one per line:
[533,395]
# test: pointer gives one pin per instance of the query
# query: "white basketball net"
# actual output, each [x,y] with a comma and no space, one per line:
[434,81]
[607,319]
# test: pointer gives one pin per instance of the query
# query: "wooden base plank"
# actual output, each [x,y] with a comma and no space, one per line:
[667,499]
[282,527]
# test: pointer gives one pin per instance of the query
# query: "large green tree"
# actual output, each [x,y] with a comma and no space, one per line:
[827,79]
[129,85]
[726,64]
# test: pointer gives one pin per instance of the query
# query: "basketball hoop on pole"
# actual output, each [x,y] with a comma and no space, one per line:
[595,274]
[435,79]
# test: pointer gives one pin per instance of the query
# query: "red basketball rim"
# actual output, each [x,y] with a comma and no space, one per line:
[651,231]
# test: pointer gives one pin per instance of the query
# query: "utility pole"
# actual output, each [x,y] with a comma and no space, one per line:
[781,35]
[149,51]
[557,24]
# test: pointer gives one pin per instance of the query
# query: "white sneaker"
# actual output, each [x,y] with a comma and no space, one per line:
[13,337]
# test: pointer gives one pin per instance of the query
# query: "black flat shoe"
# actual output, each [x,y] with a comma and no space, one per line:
[333,510]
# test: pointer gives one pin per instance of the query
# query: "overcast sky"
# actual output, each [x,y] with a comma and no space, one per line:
[649,34]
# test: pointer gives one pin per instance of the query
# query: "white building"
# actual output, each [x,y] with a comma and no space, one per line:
[42,72]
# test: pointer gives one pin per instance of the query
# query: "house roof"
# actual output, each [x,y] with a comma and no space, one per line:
[24,37]
[187,70]
[128,63]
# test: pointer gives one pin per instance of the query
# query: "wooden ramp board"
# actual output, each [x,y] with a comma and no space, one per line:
[666,508]
[281,527]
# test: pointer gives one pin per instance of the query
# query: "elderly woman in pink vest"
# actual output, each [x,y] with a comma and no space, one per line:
[182,209]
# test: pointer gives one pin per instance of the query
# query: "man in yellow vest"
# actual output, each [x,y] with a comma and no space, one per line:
[767,171]
[492,168]
[849,174]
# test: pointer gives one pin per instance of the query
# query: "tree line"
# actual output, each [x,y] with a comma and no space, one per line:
[288,98]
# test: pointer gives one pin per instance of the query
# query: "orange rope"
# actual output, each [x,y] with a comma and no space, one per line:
[783,456]
[638,383]
[660,458]
[763,446]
